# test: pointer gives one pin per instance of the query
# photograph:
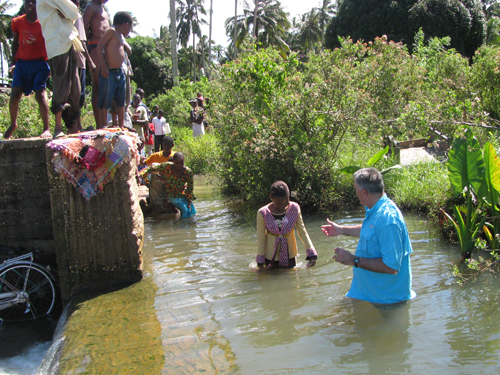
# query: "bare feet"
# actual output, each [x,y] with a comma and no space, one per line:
[46,134]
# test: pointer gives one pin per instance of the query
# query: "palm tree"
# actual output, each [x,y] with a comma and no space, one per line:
[202,46]
[310,31]
[218,52]
[189,22]
[210,39]
[4,34]
[173,43]
[269,23]
[327,11]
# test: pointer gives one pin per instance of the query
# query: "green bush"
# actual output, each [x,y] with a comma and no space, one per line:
[175,103]
[201,153]
[486,79]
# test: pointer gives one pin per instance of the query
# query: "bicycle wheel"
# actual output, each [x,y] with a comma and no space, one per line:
[38,298]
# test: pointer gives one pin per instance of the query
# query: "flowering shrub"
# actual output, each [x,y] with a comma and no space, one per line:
[301,122]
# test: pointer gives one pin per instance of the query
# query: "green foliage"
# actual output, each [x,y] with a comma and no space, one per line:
[370,163]
[475,173]
[368,19]
[485,79]
[28,120]
[275,122]
[201,153]
[422,187]
[152,68]
[303,122]
[175,103]
[462,20]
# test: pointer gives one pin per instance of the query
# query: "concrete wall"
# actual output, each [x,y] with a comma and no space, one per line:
[96,243]
[25,213]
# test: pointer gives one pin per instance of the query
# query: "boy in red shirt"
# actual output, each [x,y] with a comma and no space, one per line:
[31,70]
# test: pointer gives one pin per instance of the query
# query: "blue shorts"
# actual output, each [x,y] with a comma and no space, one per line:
[31,75]
[111,88]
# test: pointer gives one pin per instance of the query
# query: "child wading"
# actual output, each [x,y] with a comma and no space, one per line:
[276,221]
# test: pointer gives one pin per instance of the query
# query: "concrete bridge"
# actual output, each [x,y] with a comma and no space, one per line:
[90,244]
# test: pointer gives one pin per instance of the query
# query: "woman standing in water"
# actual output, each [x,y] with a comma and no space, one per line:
[276,221]
[174,185]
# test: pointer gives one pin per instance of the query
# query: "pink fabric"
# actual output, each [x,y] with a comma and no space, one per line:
[287,225]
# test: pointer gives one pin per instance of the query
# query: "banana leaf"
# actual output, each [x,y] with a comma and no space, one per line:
[371,162]
[466,164]
[375,158]
[490,189]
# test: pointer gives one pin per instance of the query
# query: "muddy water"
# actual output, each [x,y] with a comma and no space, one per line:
[203,308]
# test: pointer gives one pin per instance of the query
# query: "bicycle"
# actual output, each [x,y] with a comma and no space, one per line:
[27,289]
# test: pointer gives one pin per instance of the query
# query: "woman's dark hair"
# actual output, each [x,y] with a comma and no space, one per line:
[280,190]
[178,155]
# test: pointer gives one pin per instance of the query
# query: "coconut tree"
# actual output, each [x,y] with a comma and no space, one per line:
[268,22]
[310,31]
[173,43]
[210,38]
[189,22]
[4,33]
[327,11]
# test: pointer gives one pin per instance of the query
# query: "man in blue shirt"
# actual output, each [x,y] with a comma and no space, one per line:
[382,268]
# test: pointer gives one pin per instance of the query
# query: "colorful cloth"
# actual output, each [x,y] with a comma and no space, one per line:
[89,160]
[175,187]
[273,241]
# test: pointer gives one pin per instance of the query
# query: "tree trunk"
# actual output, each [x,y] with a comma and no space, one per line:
[234,31]
[255,19]
[194,57]
[210,41]
[173,43]
[202,40]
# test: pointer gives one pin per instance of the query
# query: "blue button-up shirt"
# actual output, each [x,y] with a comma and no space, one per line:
[383,235]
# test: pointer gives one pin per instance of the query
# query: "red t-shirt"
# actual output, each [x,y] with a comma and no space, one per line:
[31,41]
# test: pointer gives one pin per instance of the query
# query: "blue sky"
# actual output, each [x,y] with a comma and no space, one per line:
[151,14]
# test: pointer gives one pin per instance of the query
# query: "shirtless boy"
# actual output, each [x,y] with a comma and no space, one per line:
[96,21]
[112,81]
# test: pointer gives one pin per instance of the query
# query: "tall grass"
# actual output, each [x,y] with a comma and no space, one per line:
[421,187]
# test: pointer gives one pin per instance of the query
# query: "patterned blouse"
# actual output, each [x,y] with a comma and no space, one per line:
[177,187]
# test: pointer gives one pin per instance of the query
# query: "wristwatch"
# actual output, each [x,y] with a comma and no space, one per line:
[356,262]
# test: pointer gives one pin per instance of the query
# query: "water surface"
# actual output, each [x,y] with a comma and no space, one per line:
[202,307]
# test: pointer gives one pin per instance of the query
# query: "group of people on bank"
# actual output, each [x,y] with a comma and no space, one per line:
[54,40]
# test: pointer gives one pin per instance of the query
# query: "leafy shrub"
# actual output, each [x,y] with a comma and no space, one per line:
[175,103]
[201,153]
[486,79]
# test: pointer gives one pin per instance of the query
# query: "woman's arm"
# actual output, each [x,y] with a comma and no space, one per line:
[311,254]
[261,240]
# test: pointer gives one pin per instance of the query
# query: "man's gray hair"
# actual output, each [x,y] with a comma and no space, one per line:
[370,179]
